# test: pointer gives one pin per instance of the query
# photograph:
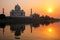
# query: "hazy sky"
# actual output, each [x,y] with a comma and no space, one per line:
[39,6]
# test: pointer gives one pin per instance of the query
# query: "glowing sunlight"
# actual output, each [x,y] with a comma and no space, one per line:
[50,10]
[50,30]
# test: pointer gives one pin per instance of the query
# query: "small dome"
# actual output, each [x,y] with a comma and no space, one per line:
[22,11]
[17,7]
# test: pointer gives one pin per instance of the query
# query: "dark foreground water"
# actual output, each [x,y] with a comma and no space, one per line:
[30,32]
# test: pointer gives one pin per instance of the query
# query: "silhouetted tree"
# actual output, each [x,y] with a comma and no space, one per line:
[2,16]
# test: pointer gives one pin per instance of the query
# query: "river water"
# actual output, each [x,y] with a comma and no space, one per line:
[30,32]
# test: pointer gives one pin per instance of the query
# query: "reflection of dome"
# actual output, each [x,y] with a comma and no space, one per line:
[17,7]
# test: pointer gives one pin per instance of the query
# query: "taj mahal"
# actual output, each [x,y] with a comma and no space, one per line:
[17,12]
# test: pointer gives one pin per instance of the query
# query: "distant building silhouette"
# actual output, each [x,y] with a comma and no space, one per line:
[35,15]
[17,12]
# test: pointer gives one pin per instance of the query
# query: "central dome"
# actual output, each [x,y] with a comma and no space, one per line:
[17,7]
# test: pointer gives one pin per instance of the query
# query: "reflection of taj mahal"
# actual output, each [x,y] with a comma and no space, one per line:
[17,12]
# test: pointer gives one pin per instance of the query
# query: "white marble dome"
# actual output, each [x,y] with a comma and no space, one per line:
[17,7]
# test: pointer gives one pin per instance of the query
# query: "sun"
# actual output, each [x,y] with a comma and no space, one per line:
[50,30]
[50,10]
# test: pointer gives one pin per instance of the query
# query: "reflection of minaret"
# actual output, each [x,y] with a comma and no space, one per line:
[31,28]
[3,31]
[31,12]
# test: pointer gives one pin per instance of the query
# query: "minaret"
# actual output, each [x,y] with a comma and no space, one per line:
[31,12]
[3,10]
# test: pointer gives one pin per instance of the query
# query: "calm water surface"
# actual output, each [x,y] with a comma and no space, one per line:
[30,32]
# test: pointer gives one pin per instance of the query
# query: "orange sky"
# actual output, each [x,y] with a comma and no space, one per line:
[39,6]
